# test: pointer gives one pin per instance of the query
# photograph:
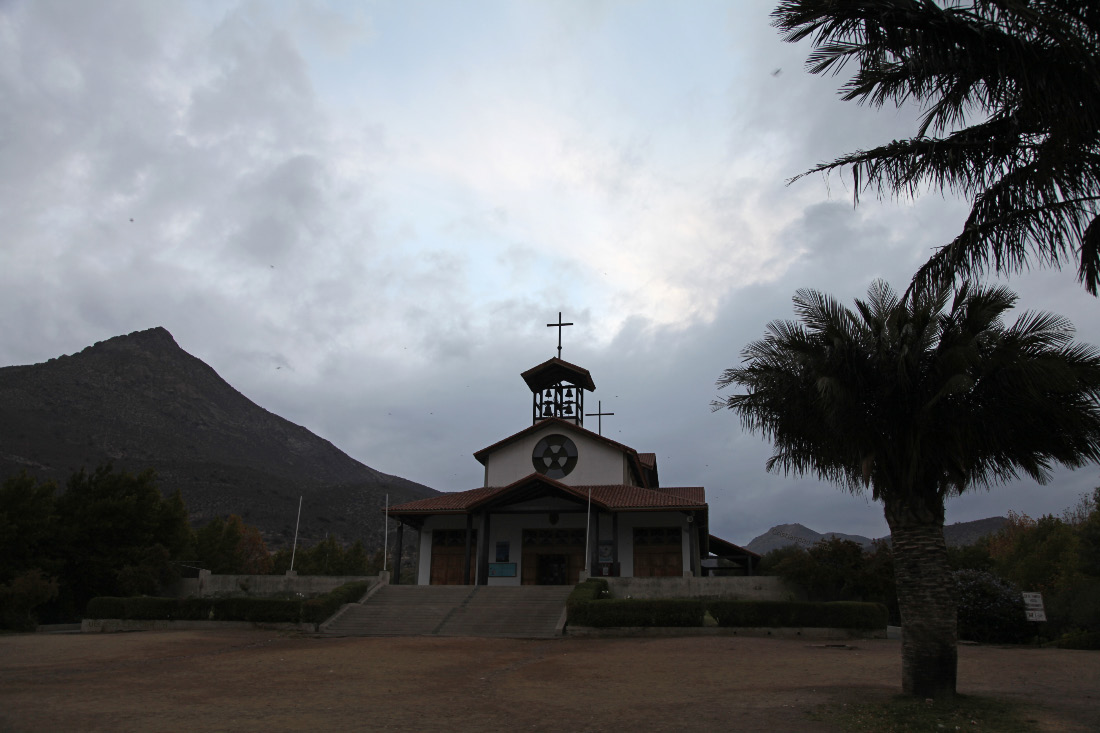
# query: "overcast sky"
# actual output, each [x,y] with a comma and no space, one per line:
[364,214]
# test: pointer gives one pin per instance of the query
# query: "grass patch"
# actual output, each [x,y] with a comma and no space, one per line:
[903,714]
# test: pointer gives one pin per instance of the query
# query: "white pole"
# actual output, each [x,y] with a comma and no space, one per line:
[588,534]
[296,523]
[386,534]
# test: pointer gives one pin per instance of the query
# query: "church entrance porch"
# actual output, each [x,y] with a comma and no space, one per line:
[448,553]
[552,556]
[552,569]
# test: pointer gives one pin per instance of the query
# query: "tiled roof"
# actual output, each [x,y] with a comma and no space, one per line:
[649,460]
[613,497]
[691,493]
[635,497]
[454,501]
[721,547]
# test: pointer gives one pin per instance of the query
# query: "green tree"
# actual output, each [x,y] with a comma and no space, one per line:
[920,399]
[1010,94]
[835,569]
[229,547]
[28,526]
[117,536]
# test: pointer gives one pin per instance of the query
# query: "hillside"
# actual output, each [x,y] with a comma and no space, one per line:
[140,401]
[781,535]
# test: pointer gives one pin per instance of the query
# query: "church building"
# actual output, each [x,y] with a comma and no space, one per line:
[559,500]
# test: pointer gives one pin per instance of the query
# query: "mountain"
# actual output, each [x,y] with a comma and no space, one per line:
[140,401]
[781,535]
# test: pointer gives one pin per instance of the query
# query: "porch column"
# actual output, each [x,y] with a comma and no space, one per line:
[483,551]
[614,537]
[469,544]
[693,540]
[397,554]
[594,547]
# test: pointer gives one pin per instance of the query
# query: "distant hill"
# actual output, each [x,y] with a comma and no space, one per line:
[781,535]
[140,401]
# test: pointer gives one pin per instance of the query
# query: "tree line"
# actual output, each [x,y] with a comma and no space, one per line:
[113,533]
[1057,556]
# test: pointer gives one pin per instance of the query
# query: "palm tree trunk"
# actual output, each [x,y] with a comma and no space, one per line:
[929,647]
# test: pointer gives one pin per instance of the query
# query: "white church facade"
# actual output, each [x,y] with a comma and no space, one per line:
[559,501]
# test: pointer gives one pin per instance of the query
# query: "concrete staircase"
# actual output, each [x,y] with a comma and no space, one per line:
[530,611]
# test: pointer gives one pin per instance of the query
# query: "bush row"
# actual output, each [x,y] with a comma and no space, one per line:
[796,614]
[257,610]
[589,605]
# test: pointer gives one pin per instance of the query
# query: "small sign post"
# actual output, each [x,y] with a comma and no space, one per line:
[1033,607]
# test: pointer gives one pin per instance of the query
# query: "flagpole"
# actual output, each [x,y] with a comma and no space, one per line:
[296,523]
[588,535]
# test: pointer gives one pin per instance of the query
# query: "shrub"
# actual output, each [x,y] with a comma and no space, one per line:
[256,610]
[798,614]
[316,610]
[990,609]
[590,590]
[617,612]
[19,599]
[106,607]
[1080,640]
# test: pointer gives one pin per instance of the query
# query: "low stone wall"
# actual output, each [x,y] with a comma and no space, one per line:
[738,588]
[111,625]
[817,633]
[259,586]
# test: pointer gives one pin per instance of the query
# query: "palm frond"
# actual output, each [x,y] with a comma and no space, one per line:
[1010,92]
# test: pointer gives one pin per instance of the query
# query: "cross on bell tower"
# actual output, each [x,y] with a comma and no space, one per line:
[559,325]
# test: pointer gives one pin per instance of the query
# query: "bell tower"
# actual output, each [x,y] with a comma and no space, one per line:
[557,387]
[557,390]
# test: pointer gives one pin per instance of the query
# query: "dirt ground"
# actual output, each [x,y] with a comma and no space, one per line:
[267,680]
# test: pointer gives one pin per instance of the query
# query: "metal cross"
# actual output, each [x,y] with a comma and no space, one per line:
[599,415]
[559,325]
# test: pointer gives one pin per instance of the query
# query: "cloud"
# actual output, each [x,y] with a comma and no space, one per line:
[390,202]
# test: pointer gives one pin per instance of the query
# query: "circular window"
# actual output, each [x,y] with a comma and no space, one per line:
[554,456]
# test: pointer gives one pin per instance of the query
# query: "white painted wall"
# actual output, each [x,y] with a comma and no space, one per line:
[597,463]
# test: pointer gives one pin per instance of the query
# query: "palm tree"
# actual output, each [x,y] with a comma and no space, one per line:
[919,399]
[1025,72]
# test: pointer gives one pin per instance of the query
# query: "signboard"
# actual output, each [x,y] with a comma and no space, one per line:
[1033,607]
[502,570]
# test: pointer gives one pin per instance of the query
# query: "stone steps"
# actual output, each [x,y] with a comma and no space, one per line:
[456,610]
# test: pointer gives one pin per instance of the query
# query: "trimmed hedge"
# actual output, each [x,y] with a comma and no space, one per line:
[589,605]
[256,610]
[590,590]
[799,614]
[617,612]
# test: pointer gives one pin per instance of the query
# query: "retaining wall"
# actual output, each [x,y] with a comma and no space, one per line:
[816,633]
[112,625]
[263,585]
[738,588]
